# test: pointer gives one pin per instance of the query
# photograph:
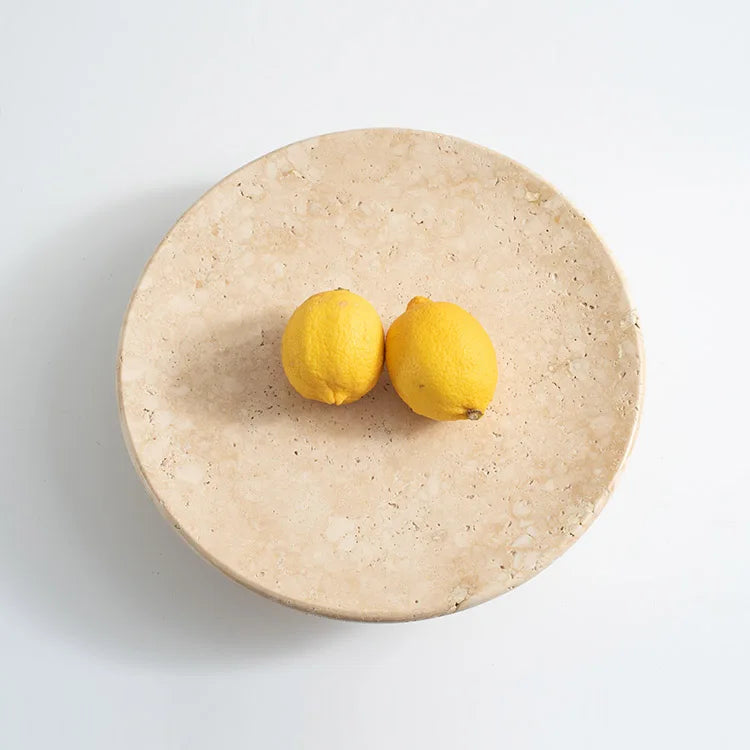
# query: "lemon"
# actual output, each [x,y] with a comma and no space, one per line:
[332,347]
[441,361]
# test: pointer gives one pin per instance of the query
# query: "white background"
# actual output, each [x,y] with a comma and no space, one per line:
[114,117]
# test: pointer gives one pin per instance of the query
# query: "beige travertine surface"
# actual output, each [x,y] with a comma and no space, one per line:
[368,511]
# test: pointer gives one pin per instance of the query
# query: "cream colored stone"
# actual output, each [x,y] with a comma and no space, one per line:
[368,511]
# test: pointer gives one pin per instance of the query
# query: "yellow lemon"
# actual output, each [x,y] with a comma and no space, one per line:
[332,347]
[441,361]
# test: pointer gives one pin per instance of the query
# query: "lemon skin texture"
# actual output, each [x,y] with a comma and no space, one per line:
[332,349]
[441,361]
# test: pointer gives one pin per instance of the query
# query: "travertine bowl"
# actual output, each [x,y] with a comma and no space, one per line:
[368,511]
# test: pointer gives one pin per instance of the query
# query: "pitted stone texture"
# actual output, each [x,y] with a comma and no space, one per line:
[368,511]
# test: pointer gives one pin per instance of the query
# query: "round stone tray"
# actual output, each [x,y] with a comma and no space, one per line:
[369,511]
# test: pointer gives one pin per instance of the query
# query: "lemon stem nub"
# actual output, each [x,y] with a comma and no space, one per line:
[473,414]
